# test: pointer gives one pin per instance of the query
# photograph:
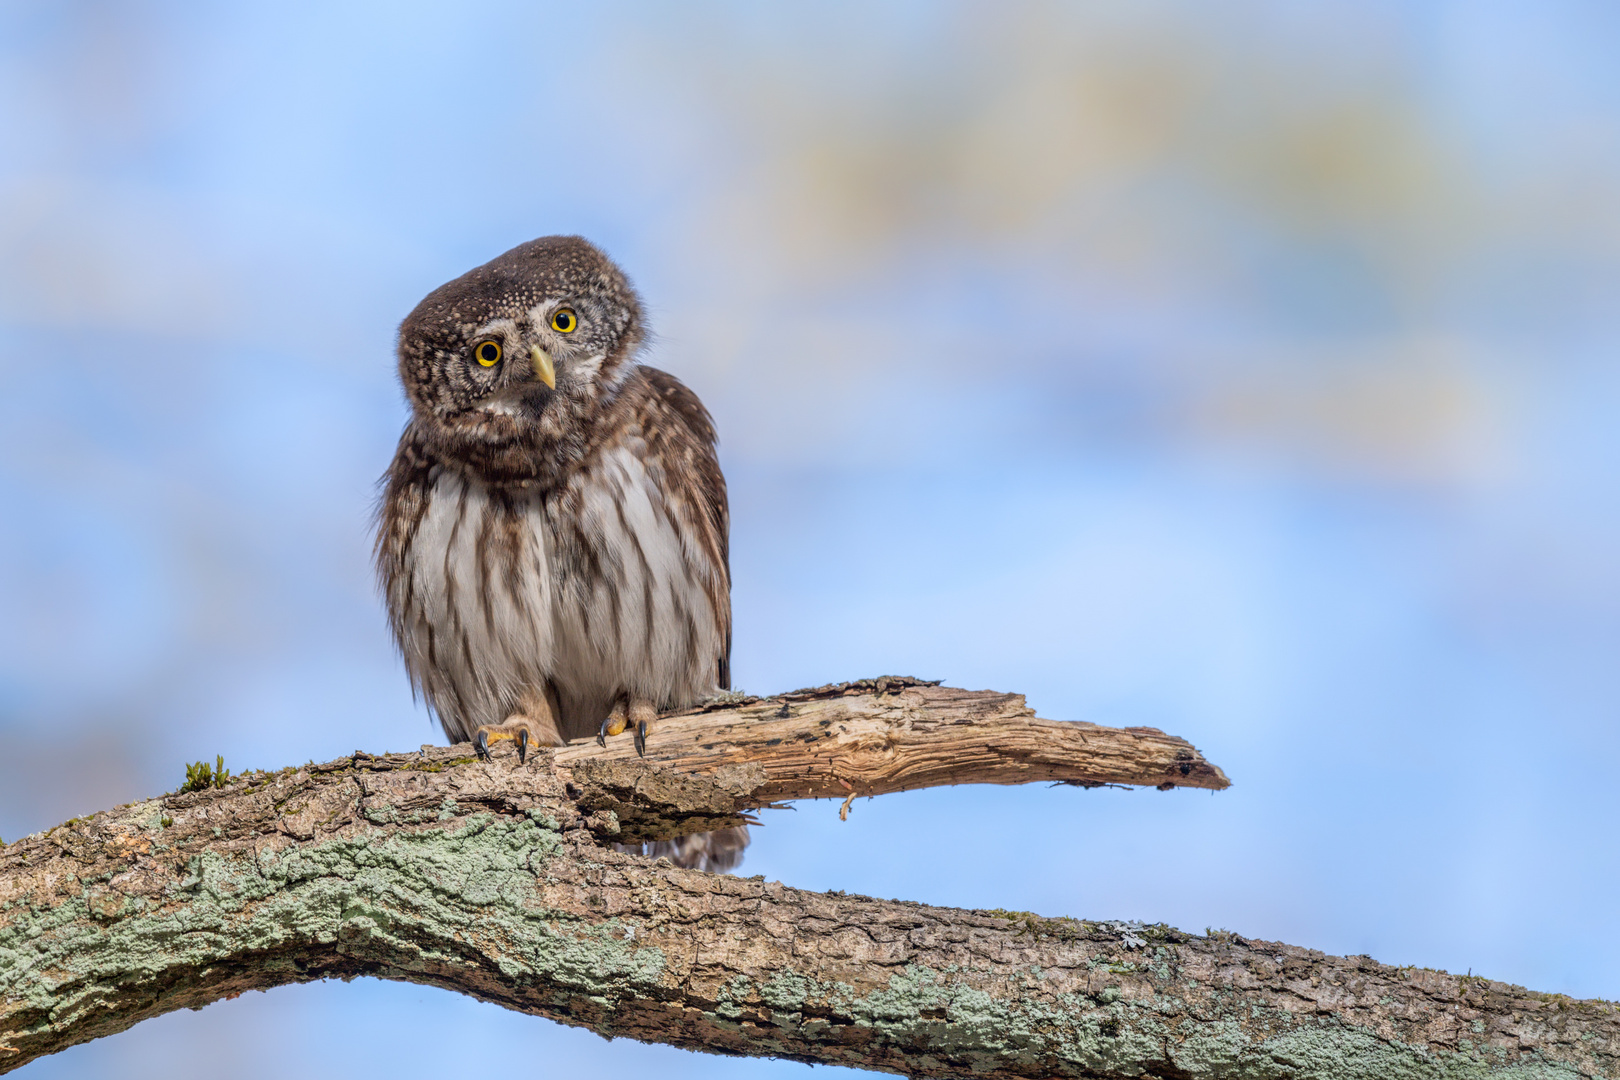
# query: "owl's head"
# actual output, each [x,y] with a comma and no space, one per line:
[505,366]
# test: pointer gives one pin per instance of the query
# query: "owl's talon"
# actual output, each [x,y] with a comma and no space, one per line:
[523,745]
[642,712]
[481,745]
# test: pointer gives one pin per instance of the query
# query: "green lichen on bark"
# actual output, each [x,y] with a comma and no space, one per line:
[957,1028]
[393,903]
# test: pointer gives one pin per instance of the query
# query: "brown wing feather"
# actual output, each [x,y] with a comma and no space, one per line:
[680,432]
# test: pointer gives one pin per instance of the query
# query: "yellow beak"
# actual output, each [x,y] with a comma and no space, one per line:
[544,370]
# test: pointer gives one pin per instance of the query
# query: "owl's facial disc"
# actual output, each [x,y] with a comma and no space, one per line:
[523,351]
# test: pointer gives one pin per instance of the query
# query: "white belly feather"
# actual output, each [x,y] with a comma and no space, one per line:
[595,591]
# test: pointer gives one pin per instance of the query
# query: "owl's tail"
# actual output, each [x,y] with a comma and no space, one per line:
[718,852]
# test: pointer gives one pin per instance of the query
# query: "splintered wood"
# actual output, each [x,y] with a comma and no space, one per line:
[893,734]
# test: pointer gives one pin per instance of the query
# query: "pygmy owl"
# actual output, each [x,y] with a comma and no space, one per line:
[552,541]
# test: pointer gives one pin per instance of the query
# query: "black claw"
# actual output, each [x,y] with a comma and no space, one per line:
[641,739]
[523,745]
[481,745]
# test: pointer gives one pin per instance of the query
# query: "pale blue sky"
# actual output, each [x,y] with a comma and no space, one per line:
[1247,373]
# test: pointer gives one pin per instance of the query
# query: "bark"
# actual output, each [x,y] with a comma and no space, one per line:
[500,881]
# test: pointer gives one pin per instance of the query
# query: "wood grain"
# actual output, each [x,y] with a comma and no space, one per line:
[895,733]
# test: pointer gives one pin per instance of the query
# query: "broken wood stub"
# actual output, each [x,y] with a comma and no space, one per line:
[893,734]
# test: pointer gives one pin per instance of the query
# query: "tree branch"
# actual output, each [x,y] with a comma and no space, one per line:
[878,736]
[500,881]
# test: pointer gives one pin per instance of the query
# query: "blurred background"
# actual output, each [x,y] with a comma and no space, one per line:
[1244,370]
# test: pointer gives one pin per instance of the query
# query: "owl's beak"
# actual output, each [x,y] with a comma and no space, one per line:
[544,370]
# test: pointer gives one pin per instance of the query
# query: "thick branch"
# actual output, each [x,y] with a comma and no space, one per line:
[499,881]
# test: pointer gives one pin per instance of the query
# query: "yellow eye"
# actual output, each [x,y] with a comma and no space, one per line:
[488,353]
[564,321]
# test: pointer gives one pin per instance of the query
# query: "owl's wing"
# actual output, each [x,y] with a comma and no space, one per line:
[680,433]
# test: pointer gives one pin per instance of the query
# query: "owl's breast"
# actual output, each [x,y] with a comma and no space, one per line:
[595,585]
[635,601]
[471,598]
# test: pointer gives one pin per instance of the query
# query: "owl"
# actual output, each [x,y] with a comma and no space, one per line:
[552,537]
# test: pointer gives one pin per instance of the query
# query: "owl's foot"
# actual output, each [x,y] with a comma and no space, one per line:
[638,715]
[534,725]
[517,731]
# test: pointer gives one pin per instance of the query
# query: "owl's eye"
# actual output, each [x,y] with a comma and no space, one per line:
[488,353]
[564,321]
